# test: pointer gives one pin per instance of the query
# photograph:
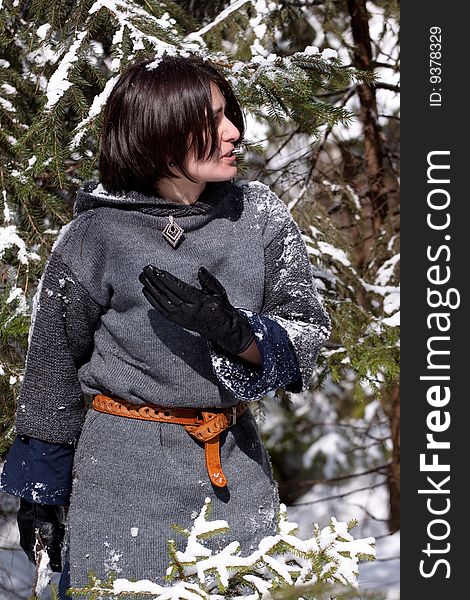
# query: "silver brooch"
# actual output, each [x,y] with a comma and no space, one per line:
[173,233]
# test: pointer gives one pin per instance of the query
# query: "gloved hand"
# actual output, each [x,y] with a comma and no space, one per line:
[41,527]
[206,311]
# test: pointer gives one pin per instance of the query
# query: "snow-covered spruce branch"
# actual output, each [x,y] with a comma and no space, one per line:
[283,566]
[265,79]
[367,333]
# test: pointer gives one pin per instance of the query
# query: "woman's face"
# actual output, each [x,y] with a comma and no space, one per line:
[222,164]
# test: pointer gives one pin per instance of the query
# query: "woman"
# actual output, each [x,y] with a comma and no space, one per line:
[174,297]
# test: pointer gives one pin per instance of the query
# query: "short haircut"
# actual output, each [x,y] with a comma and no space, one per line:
[158,111]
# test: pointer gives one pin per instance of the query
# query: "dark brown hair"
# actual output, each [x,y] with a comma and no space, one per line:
[156,115]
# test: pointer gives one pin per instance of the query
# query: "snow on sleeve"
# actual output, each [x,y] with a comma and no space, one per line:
[279,366]
[38,471]
[291,298]
[66,313]
[290,301]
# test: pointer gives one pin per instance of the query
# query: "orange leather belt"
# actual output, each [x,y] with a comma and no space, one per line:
[204,425]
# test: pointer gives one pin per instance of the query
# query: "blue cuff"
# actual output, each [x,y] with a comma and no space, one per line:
[38,471]
[279,370]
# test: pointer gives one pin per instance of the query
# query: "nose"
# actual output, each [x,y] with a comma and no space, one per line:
[229,133]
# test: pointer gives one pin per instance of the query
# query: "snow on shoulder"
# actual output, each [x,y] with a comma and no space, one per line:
[266,203]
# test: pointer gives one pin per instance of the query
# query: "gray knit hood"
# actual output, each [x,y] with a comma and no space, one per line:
[218,200]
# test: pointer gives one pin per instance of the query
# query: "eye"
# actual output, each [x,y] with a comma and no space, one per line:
[219,114]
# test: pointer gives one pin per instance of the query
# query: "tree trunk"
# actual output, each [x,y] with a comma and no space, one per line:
[383,195]
[383,186]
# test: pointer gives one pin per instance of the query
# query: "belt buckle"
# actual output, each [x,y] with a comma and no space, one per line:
[233,416]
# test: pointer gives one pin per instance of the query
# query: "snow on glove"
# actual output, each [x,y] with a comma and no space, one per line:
[206,311]
[40,527]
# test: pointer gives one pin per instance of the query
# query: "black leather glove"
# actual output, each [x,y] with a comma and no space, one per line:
[41,527]
[206,311]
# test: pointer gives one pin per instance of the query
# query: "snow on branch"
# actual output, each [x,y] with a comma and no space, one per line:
[338,260]
[282,561]
[98,103]
[264,80]
[58,83]
[9,238]
[129,17]
[234,6]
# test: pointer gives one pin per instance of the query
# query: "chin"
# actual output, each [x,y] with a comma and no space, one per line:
[231,173]
[223,177]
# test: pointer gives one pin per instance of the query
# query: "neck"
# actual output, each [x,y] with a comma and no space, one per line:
[181,191]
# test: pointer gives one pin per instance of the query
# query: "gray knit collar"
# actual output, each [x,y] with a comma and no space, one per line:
[218,200]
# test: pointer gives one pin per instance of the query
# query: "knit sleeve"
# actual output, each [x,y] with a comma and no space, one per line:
[291,299]
[291,303]
[50,406]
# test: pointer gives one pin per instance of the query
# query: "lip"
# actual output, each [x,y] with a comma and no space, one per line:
[231,159]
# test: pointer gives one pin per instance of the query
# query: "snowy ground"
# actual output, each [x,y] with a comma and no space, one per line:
[368,507]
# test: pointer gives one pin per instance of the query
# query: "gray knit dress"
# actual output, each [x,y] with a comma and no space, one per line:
[94,332]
